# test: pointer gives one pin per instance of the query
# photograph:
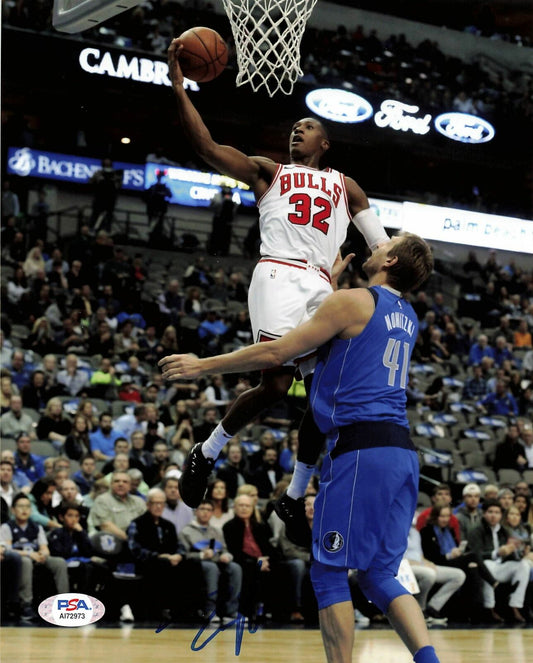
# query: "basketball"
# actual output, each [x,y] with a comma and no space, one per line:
[204,54]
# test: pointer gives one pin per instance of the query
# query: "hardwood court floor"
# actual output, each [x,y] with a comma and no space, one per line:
[127,644]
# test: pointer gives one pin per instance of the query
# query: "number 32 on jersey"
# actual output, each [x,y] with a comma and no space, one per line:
[310,210]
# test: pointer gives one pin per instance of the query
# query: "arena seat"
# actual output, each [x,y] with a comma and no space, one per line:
[489,447]
[468,445]
[43,448]
[8,444]
[444,444]
[508,476]
[474,459]
[424,500]
[35,416]
[527,475]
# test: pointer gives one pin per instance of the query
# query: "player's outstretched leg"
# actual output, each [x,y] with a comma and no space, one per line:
[290,506]
[201,458]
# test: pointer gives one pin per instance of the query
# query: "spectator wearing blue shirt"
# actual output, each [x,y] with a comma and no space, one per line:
[103,439]
[129,423]
[211,330]
[476,387]
[84,478]
[479,350]
[20,370]
[500,402]
[27,463]
[502,352]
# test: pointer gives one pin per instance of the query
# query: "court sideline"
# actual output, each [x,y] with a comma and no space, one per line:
[136,645]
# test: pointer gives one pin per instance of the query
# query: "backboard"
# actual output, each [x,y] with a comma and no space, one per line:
[78,15]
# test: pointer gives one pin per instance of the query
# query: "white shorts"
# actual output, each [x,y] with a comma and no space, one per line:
[283,295]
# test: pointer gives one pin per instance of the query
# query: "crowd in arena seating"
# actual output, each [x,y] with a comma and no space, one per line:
[93,440]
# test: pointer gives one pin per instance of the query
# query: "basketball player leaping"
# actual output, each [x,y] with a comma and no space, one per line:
[304,216]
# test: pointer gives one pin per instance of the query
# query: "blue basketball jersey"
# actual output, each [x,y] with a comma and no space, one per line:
[364,378]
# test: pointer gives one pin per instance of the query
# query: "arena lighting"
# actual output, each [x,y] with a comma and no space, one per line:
[339,105]
[464,128]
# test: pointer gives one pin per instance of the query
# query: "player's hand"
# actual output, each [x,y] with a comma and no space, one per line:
[176,367]
[339,266]
[174,69]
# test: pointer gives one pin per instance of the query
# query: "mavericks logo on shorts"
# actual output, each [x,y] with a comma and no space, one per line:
[333,541]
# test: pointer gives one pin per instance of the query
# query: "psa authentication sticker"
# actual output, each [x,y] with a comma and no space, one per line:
[71,610]
[333,541]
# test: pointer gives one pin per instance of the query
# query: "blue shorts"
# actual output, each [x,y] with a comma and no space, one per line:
[364,508]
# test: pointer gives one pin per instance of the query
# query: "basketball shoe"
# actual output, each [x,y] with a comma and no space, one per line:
[195,474]
[292,512]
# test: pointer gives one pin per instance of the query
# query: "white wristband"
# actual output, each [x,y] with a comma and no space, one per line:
[370,226]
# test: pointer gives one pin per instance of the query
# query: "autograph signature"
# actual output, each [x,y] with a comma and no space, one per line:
[239,622]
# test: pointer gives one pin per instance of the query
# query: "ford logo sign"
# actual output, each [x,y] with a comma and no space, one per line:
[464,127]
[339,105]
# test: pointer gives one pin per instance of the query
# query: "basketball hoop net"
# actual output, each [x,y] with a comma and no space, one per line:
[268,34]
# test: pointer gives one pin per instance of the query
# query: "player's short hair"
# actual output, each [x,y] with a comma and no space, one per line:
[414,264]
[323,127]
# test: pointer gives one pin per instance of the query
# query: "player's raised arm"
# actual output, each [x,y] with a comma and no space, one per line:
[364,218]
[342,310]
[224,158]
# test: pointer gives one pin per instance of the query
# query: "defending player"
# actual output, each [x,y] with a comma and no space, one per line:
[369,478]
[304,216]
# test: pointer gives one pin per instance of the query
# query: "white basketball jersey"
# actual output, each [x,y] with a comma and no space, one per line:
[304,215]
